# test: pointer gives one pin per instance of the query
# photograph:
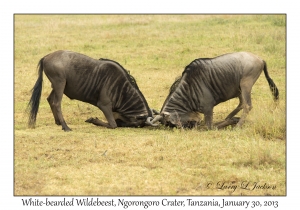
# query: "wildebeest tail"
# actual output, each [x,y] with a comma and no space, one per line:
[272,85]
[34,101]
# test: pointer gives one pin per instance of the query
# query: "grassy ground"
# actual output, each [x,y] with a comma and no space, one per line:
[92,160]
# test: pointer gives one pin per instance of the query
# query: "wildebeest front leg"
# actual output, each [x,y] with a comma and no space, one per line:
[97,122]
[208,117]
[108,113]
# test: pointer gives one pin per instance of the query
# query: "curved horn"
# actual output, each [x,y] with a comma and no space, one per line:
[154,111]
[149,122]
[157,118]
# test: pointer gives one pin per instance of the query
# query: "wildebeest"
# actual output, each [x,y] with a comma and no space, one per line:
[206,82]
[103,83]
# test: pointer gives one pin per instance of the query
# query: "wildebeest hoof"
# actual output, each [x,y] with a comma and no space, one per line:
[90,120]
[67,129]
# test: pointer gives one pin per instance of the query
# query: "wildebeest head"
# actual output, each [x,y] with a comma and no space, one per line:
[133,121]
[176,112]
[174,119]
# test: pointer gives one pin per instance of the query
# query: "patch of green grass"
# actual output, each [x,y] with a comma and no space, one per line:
[93,160]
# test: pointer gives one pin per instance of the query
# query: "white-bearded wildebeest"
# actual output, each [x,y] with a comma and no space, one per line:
[103,83]
[206,82]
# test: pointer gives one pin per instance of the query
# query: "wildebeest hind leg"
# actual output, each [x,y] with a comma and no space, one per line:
[247,105]
[237,109]
[50,100]
[58,89]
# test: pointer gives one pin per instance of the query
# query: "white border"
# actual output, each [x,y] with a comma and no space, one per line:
[6,71]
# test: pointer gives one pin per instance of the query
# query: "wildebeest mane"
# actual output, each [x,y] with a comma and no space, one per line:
[127,73]
[199,63]
[175,85]
[187,69]
[132,81]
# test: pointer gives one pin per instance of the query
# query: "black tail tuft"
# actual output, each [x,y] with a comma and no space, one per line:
[272,85]
[34,101]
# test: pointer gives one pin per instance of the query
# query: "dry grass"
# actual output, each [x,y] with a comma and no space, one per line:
[151,161]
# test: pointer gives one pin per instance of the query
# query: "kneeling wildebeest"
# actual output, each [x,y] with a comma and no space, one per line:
[206,82]
[103,83]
